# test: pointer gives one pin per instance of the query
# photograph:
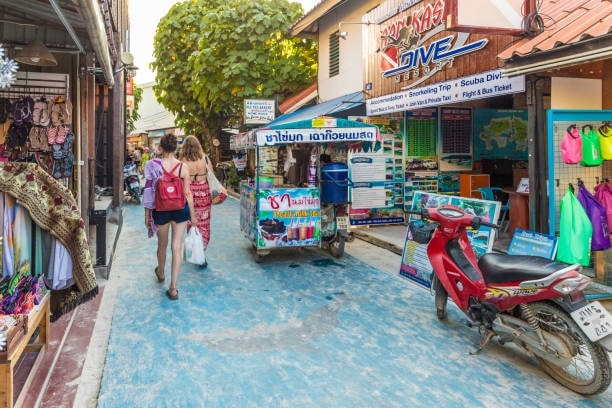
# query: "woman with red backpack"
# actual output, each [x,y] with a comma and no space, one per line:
[168,205]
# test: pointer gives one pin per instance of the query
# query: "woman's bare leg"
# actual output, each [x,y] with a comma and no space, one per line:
[178,233]
[162,245]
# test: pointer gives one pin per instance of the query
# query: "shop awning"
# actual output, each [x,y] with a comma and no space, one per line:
[332,107]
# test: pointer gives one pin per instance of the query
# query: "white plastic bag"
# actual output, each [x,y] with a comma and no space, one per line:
[194,247]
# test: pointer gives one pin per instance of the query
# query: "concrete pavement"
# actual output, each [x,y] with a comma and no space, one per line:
[301,329]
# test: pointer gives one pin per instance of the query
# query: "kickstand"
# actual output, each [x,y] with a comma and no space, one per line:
[483,343]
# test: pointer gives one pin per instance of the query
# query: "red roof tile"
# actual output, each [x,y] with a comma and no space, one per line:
[566,22]
[300,98]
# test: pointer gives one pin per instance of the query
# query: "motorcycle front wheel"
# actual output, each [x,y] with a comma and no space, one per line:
[589,371]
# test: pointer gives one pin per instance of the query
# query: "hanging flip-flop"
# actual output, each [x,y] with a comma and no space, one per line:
[51,134]
[62,132]
[69,142]
[58,152]
[57,169]
[68,164]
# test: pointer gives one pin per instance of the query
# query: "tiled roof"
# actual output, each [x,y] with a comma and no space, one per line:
[298,100]
[566,22]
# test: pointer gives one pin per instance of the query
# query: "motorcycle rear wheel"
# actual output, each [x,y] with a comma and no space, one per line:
[589,371]
[336,247]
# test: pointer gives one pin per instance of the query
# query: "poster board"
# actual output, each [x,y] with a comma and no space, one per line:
[533,243]
[415,263]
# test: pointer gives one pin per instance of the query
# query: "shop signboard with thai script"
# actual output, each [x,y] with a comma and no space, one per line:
[288,217]
[318,130]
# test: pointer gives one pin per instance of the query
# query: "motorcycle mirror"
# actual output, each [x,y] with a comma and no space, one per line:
[476,222]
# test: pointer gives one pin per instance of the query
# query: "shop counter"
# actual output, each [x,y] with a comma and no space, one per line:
[518,205]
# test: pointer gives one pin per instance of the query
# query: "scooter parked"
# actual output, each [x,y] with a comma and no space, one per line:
[131,181]
[334,228]
[536,303]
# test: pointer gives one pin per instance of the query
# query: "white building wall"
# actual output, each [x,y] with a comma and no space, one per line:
[352,63]
[153,115]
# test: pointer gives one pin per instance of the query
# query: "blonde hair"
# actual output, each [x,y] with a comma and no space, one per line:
[191,150]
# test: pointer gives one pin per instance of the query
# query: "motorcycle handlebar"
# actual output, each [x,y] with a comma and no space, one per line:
[476,221]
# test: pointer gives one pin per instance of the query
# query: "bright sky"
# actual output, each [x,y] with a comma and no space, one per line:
[144,15]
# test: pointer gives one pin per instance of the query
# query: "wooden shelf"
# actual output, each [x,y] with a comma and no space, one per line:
[39,319]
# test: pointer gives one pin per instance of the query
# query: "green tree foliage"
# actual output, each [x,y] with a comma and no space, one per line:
[132,116]
[210,55]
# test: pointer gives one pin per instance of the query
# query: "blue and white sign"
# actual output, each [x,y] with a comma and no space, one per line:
[271,137]
[483,85]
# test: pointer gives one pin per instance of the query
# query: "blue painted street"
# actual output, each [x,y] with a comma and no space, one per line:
[300,329]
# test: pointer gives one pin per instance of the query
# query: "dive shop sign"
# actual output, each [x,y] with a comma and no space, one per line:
[407,54]
[483,85]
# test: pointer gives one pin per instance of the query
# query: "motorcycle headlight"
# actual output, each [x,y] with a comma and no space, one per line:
[569,285]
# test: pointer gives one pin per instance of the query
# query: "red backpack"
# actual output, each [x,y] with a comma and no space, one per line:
[169,192]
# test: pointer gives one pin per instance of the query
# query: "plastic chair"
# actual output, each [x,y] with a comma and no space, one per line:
[491,193]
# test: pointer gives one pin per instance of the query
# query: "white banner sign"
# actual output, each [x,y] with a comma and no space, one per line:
[483,85]
[315,135]
[258,111]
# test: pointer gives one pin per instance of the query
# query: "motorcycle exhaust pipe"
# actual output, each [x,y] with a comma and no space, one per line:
[553,349]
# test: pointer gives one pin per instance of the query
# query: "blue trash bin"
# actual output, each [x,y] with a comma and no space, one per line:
[334,183]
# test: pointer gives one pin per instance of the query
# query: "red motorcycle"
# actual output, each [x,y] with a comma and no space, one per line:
[531,301]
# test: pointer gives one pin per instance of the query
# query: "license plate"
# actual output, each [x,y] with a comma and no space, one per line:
[594,320]
[342,223]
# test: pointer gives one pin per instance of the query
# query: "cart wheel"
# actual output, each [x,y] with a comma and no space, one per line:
[336,247]
[351,237]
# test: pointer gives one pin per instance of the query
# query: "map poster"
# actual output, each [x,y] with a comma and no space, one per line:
[415,263]
[500,134]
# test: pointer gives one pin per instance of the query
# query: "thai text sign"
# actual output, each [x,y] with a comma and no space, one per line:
[316,135]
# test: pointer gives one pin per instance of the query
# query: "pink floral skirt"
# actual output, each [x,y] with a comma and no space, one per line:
[202,202]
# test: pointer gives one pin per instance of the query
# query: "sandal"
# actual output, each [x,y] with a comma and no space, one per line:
[160,278]
[57,169]
[172,295]
[51,135]
[68,164]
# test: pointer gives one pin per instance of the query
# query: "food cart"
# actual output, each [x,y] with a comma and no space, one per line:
[294,200]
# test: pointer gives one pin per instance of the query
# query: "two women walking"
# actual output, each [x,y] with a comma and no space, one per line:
[192,171]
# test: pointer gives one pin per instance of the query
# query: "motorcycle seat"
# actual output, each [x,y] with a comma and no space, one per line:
[500,268]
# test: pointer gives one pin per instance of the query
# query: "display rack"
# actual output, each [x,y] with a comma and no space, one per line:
[38,323]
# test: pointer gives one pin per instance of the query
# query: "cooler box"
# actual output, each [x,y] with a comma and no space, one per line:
[334,183]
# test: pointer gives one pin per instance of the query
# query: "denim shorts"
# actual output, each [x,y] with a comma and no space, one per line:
[164,217]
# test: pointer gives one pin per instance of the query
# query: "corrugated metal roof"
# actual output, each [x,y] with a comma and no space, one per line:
[330,107]
[565,22]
